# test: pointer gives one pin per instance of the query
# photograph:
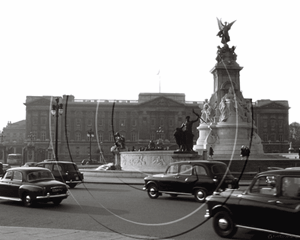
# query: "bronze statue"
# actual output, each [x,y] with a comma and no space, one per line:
[224,29]
[180,140]
[120,140]
[188,133]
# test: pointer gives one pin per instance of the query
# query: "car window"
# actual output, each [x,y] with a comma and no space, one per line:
[265,185]
[173,169]
[219,169]
[8,175]
[70,167]
[290,186]
[39,175]
[49,166]
[186,169]
[17,176]
[57,167]
[200,170]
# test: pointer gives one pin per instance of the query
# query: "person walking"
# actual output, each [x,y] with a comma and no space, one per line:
[210,152]
[243,152]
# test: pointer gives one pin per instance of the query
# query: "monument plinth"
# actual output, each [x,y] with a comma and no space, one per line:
[227,122]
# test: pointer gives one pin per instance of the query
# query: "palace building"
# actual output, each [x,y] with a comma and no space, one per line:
[153,116]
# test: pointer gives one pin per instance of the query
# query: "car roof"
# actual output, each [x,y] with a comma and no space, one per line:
[281,172]
[54,161]
[200,161]
[27,169]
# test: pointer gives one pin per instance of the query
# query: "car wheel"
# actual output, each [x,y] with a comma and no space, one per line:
[200,194]
[28,200]
[224,225]
[72,185]
[152,191]
[56,201]
[173,195]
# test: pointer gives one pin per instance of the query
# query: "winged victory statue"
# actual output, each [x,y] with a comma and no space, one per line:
[224,29]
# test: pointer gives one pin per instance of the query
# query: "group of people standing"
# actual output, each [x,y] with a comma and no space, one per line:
[245,152]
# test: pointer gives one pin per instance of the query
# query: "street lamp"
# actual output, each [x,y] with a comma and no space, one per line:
[90,134]
[57,109]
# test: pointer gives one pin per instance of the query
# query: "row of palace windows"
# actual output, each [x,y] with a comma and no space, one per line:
[78,136]
[273,123]
[272,137]
[122,122]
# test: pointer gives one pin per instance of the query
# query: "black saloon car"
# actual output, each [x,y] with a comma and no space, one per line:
[63,171]
[270,204]
[198,178]
[31,185]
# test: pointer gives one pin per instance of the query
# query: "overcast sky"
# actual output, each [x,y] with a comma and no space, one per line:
[114,49]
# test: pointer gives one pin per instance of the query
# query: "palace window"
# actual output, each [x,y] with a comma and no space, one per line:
[133,136]
[43,136]
[78,136]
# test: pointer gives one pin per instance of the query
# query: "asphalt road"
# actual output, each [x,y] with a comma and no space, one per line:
[123,209]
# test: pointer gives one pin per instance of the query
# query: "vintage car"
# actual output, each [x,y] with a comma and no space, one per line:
[90,162]
[63,171]
[31,185]
[105,167]
[198,178]
[271,204]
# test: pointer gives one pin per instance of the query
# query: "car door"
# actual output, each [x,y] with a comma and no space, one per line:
[287,206]
[16,182]
[5,184]
[257,206]
[168,180]
[185,179]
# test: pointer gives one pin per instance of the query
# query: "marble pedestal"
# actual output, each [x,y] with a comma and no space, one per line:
[228,137]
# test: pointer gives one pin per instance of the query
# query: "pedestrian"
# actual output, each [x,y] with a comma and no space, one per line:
[243,152]
[247,152]
[210,152]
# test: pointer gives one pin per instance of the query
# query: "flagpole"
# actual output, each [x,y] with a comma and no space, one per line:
[159,79]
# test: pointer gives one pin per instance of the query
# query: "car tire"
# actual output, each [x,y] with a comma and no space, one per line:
[200,194]
[224,225]
[152,191]
[28,200]
[72,185]
[56,202]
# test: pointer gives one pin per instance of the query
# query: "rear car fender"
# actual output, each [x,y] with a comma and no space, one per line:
[31,189]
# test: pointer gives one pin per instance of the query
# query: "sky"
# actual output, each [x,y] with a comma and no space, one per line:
[110,49]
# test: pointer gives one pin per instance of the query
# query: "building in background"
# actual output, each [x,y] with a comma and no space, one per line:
[12,139]
[152,116]
[272,121]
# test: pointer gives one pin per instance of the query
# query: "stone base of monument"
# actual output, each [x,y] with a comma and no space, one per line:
[153,161]
[227,138]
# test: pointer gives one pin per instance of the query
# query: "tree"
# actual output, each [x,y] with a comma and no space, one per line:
[295,134]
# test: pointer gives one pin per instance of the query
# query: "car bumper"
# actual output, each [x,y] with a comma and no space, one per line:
[53,196]
[78,182]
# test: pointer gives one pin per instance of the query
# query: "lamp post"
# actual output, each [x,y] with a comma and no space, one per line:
[57,109]
[90,134]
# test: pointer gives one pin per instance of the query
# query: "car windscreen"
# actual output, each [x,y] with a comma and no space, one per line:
[39,175]
[70,167]
[219,169]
